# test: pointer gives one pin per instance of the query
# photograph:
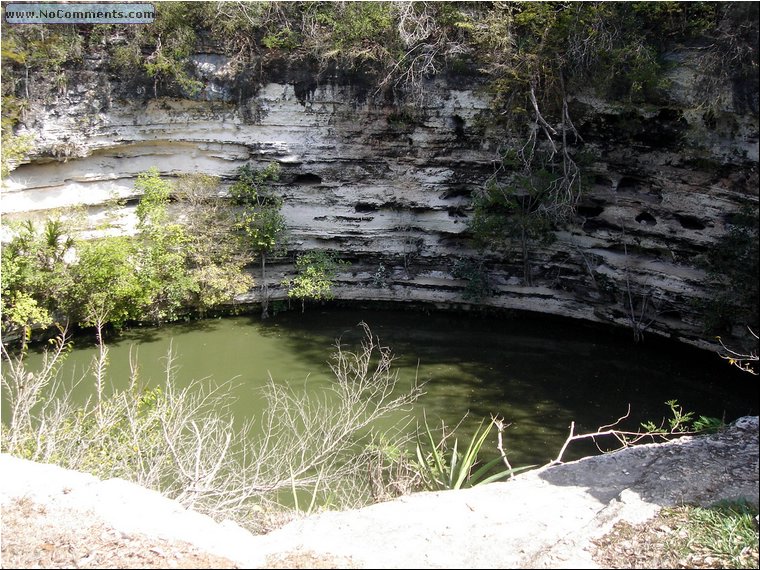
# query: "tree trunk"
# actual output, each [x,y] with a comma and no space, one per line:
[526,261]
[264,288]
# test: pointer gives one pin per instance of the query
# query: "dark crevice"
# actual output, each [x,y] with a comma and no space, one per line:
[456,212]
[646,219]
[457,123]
[365,207]
[590,211]
[308,179]
[600,180]
[690,222]
[628,184]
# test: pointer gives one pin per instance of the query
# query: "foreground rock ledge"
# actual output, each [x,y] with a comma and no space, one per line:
[543,518]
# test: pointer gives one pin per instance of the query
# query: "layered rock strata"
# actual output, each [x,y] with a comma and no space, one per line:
[391,189]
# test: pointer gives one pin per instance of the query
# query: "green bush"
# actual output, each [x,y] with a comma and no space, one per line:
[34,275]
[476,276]
[315,276]
[162,257]
[166,269]
[682,422]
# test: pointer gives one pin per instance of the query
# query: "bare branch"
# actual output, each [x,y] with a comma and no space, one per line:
[624,438]
[500,427]
[742,360]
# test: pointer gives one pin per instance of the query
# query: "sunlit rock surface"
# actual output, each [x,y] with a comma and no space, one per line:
[389,188]
[546,518]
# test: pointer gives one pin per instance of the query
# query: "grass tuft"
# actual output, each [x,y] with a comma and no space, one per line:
[726,532]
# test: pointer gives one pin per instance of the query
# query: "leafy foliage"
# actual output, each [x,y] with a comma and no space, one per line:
[45,47]
[170,265]
[442,468]
[162,256]
[259,217]
[519,46]
[683,422]
[316,271]
[105,287]
[216,253]
[733,265]
[14,149]
[34,276]
[512,216]
[162,50]
[359,31]
[474,273]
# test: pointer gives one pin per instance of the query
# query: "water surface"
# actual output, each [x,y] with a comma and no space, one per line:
[538,373]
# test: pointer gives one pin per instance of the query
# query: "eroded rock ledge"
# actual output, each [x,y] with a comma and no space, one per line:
[544,518]
[392,192]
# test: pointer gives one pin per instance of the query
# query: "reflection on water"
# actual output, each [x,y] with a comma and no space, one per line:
[538,373]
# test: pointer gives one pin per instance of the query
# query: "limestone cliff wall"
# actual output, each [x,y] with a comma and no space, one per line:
[392,193]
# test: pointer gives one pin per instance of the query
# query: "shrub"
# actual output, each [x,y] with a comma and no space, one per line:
[316,272]
[444,468]
[183,441]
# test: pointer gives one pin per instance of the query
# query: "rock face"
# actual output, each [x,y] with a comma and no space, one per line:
[390,189]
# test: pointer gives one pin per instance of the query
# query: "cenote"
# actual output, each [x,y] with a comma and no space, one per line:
[538,373]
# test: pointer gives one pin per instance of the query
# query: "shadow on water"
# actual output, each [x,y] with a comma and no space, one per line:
[538,373]
[148,334]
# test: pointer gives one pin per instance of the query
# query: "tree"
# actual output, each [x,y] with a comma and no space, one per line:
[509,213]
[34,276]
[733,266]
[171,40]
[15,148]
[316,271]
[161,251]
[105,288]
[259,217]
[733,269]
[216,254]
[476,276]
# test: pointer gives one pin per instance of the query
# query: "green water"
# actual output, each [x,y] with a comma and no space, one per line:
[538,373]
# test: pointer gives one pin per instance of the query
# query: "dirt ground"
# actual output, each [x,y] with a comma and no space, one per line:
[650,545]
[34,536]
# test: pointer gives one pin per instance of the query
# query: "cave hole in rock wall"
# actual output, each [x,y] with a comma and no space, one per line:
[628,184]
[308,179]
[590,210]
[457,191]
[647,219]
[457,123]
[644,190]
[362,207]
[456,212]
[603,181]
[690,222]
